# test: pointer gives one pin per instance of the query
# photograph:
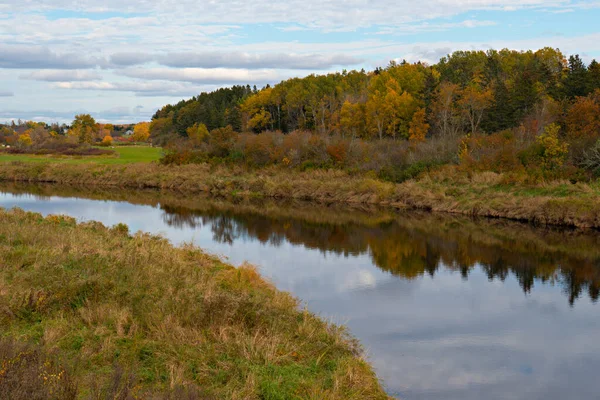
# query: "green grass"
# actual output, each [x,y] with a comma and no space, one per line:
[96,300]
[125,155]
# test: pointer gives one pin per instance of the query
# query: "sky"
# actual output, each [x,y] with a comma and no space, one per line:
[121,60]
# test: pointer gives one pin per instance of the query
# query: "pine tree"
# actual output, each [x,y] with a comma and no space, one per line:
[576,82]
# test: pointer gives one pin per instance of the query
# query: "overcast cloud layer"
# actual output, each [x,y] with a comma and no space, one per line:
[59,57]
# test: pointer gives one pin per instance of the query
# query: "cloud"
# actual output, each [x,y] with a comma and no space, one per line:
[35,57]
[62,75]
[433,27]
[237,59]
[6,94]
[254,61]
[347,14]
[115,114]
[202,75]
[148,89]
[131,58]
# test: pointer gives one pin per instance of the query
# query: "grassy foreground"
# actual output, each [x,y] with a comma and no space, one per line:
[484,194]
[92,312]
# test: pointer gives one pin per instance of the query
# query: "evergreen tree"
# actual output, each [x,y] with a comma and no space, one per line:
[576,82]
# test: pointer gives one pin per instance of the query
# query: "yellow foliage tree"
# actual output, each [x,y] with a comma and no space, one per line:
[418,127]
[107,141]
[141,132]
[25,140]
[474,101]
[197,134]
[554,150]
[84,127]
[352,118]
[260,121]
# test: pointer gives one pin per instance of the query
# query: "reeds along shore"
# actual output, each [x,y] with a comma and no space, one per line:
[93,312]
[484,194]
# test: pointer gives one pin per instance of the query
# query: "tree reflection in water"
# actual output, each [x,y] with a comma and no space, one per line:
[414,244]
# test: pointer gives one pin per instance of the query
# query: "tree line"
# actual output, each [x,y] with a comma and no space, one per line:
[536,113]
[83,131]
[466,92]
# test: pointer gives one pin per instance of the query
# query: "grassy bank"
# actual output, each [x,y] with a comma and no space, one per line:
[93,312]
[481,194]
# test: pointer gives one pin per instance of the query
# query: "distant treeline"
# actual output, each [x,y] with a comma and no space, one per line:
[466,92]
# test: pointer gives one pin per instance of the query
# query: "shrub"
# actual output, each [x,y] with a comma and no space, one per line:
[497,152]
[221,141]
[591,159]
[402,174]
[107,141]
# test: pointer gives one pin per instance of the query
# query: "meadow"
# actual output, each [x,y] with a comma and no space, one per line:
[125,155]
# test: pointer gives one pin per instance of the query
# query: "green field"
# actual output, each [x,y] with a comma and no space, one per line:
[125,155]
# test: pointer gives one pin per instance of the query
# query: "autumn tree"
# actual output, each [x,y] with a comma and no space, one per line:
[25,140]
[352,119]
[162,130]
[255,111]
[446,114]
[141,132]
[260,121]
[474,100]
[418,127]
[198,134]
[583,117]
[376,112]
[84,127]
[554,151]
[389,109]
[7,135]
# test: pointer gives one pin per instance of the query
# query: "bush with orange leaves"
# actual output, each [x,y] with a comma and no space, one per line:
[107,141]
[263,149]
[338,151]
[497,153]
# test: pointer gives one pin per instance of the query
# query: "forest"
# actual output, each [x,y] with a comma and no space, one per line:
[535,114]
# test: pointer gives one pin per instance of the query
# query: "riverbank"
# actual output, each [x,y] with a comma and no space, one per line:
[89,311]
[480,194]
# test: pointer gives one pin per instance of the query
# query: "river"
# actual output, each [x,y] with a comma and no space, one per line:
[446,307]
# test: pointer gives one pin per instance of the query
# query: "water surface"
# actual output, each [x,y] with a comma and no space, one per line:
[446,307]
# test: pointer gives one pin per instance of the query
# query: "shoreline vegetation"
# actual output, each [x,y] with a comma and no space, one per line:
[94,312]
[483,194]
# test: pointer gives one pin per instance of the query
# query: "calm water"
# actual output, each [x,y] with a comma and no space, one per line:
[446,307]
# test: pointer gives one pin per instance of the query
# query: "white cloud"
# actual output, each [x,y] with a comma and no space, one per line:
[6,94]
[34,57]
[62,75]
[203,75]
[348,14]
[433,27]
[158,89]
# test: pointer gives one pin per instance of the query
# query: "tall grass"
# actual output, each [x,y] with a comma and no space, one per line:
[131,316]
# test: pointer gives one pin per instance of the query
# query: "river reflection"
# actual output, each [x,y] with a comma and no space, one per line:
[447,307]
